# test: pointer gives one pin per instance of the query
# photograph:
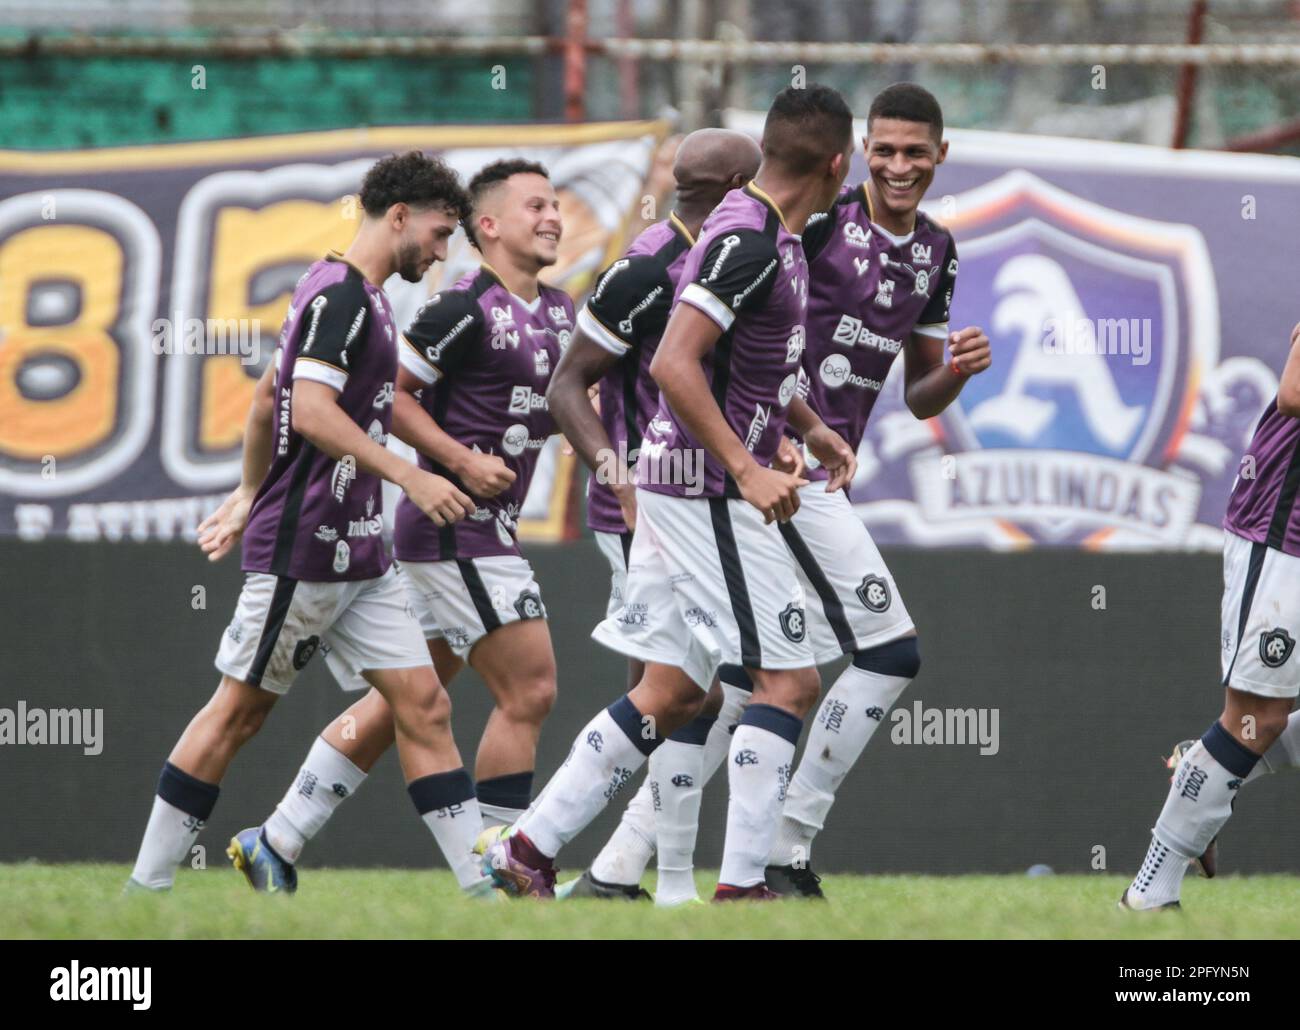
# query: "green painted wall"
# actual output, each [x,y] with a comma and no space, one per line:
[63,102]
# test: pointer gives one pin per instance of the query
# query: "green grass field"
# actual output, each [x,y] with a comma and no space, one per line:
[83,901]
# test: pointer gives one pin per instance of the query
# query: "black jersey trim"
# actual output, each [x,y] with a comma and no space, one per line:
[276,614]
[751,652]
[478,594]
[1285,499]
[839,622]
[287,530]
[1256,565]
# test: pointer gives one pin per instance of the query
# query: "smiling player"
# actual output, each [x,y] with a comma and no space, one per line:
[471,399]
[313,464]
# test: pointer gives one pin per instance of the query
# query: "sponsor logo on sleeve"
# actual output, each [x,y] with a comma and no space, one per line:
[728,245]
[317,307]
[768,269]
[625,326]
[605,279]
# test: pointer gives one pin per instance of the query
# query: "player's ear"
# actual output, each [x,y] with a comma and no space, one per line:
[943,152]
[398,215]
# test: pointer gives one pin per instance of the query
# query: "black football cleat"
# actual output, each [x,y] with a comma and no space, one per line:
[587,886]
[792,881]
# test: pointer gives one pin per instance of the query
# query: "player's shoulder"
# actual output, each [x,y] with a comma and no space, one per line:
[335,281]
[554,297]
[928,226]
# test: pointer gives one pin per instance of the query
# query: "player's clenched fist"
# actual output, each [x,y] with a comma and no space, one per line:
[835,455]
[968,351]
[438,498]
[485,475]
[774,493]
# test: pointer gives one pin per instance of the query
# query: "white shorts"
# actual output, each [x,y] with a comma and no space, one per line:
[853,603]
[615,547]
[709,582]
[1261,618]
[462,600]
[280,623]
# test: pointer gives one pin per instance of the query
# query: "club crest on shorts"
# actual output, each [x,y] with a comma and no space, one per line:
[529,605]
[1275,647]
[302,654]
[873,592]
[792,623]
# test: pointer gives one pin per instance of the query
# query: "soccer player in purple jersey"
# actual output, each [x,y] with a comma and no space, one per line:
[317,573]
[471,399]
[881,282]
[727,367]
[617,336]
[1256,733]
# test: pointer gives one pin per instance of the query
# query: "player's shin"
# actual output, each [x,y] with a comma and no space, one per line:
[448,806]
[325,780]
[605,755]
[180,808]
[676,781]
[759,766]
[853,709]
[1199,803]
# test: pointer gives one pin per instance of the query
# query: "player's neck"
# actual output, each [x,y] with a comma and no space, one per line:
[692,217]
[522,282]
[371,257]
[795,199]
[897,224]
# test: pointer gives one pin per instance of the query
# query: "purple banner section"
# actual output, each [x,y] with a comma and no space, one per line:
[1139,309]
[142,290]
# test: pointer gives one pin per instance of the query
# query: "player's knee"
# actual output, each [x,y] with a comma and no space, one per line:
[529,698]
[900,658]
[424,706]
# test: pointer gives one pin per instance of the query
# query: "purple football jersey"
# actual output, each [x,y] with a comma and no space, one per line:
[1262,507]
[626,315]
[315,518]
[487,358]
[748,274]
[869,291]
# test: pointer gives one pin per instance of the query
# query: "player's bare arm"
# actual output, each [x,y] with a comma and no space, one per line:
[676,368]
[1288,389]
[824,444]
[930,381]
[221,530]
[484,475]
[318,418]
[570,397]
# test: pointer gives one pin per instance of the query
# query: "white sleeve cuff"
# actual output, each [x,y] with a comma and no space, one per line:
[590,325]
[698,297]
[413,361]
[320,372]
[939,330]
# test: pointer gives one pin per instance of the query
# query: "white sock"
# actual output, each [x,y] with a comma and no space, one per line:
[167,841]
[447,804]
[326,778]
[624,857]
[762,756]
[734,702]
[504,799]
[1199,803]
[853,709]
[180,809]
[1285,752]
[605,755]
[496,815]
[676,781]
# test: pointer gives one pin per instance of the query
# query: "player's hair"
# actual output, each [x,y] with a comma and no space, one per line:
[487,177]
[806,127]
[414,179]
[907,102]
